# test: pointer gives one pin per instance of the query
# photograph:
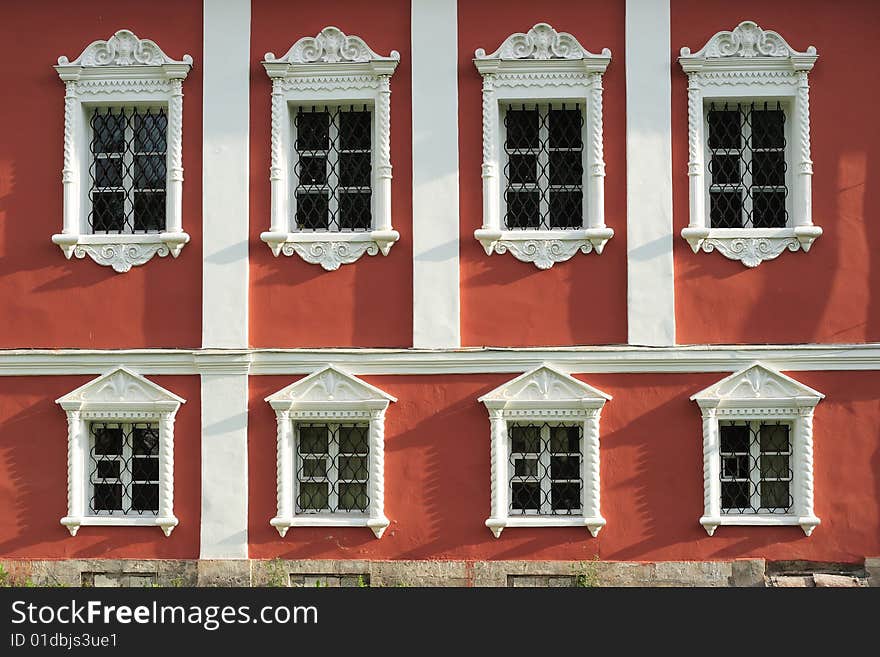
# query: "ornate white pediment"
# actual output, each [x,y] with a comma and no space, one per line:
[545,384]
[119,387]
[332,386]
[747,40]
[123,49]
[540,42]
[757,382]
[330,46]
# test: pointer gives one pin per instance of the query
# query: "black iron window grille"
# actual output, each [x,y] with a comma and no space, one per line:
[124,473]
[333,168]
[128,170]
[747,166]
[545,468]
[332,468]
[544,169]
[756,472]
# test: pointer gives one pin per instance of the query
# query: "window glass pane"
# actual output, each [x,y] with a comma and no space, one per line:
[108,211]
[525,467]
[522,168]
[353,497]
[354,130]
[145,469]
[774,494]
[312,211]
[735,494]
[145,497]
[565,467]
[725,169]
[769,209]
[565,438]
[735,467]
[150,130]
[353,467]
[313,496]
[768,168]
[107,497]
[565,496]
[354,211]
[565,128]
[526,495]
[566,209]
[312,467]
[108,172]
[312,131]
[774,437]
[108,441]
[354,169]
[726,209]
[725,129]
[566,168]
[768,128]
[525,438]
[353,440]
[522,210]
[145,440]
[522,128]
[149,171]
[107,470]
[312,170]
[313,439]
[108,131]
[734,438]
[149,211]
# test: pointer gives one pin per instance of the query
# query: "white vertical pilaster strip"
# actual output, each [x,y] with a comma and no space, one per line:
[224,531]
[225,173]
[225,185]
[649,230]
[436,310]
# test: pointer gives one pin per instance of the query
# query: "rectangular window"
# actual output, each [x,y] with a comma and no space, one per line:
[545,468]
[332,467]
[128,170]
[543,169]
[124,472]
[333,168]
[756,470]
[747,165]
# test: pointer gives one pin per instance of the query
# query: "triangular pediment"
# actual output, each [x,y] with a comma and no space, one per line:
[120,386]
[330,384]
[758,382]
[544,384]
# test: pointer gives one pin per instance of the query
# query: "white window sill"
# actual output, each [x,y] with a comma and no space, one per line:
[497,525]
[807,523]
[331,249]
[121,251]
[73,524]
[378,525]
[544,248]
[751,246]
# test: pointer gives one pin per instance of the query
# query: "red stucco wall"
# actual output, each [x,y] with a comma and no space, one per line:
[367,303]
[829,294]
[505,302]
[437,477]
[33,477]
[78,303]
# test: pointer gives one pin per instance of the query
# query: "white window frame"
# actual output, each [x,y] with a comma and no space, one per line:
[121,71]
[542,66]
[744,65]
[119,396]
[329,395]
[329,69]
[544,395]
[754,394]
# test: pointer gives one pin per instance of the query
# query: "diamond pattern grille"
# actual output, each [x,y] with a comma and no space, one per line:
[747,166]
[124,472]
[756,473]
[544,166]
[128,170]
[332,468]
[333,168]
[545,468]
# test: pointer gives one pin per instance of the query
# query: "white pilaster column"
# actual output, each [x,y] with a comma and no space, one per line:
[649,231]
[711,472]
[803,453]
[75,472]
[435,230]
[498,456]
[377,521]
[592,505]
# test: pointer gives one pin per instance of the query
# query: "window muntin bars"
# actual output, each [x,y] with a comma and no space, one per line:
[747,165]
[546,476]
[756,472]
[333,168]
[124,472]
[543,167]
[332,467]
[127,171]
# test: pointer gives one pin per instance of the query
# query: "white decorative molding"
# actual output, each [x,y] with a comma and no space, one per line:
[541,65]
[121,70]
[474,360]
[753,64]
[329,394]
[544,394]
[754,393]
[117,396]
[329,68]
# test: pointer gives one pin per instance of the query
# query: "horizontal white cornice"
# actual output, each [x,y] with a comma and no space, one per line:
[622,359]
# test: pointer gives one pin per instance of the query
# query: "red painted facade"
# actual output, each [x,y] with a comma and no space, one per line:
[437,477]
[33,477]
[509,303]
[829,294]
[155,306]
[293,303]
